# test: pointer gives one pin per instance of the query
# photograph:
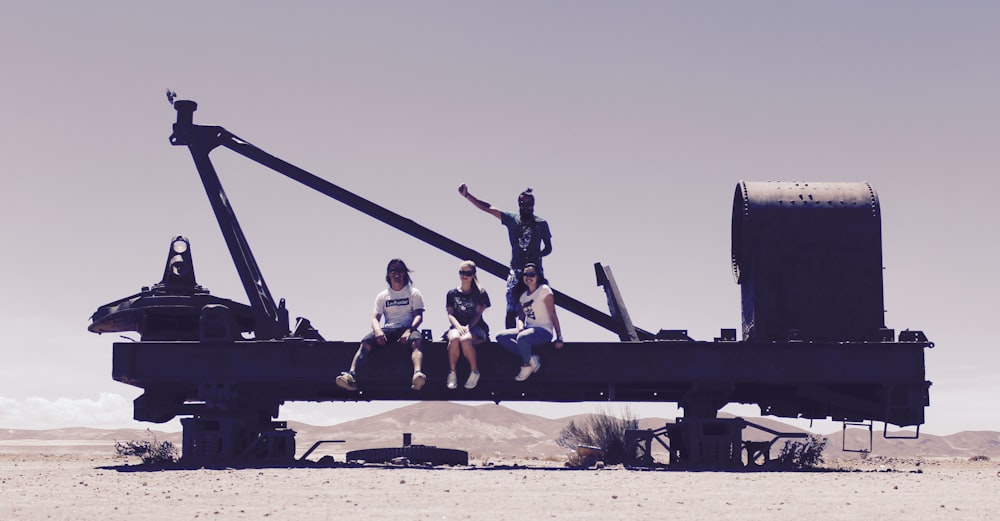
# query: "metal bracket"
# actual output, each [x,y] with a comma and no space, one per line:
[616,305]
[871,439]
[885,433]
[760,451]
[640,443]
[912,336]
[316,445]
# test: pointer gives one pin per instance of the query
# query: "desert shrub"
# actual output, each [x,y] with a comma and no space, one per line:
[602,431]
[803,454]
[979,457]
[151,452]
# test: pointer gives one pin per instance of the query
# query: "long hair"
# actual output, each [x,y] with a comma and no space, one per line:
[476,286]
[521,287]
[402,265]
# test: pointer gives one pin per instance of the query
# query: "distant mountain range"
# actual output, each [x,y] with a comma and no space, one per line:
[495,432]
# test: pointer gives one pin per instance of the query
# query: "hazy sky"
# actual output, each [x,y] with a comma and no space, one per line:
[632,121]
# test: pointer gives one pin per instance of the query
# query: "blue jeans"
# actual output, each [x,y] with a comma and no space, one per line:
[513,276]
[521,343]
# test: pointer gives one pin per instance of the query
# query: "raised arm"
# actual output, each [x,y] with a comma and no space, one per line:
[482,205]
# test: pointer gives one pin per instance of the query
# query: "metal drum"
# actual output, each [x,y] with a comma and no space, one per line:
[808,258]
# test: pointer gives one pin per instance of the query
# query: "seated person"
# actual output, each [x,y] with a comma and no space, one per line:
[465,305]
[536,321]
[402,306]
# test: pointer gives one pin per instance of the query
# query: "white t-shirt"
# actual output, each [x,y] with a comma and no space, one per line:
[398,307]
[536,314]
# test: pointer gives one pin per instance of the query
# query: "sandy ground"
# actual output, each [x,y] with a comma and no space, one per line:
[81,486]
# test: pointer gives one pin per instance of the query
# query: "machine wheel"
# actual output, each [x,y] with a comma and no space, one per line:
[413,454]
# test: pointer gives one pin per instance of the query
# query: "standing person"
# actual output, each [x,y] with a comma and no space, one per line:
[402,306]
[535,323]
[465,305]
[530,239]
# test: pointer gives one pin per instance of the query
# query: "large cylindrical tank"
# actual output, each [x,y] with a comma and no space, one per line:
[808,258]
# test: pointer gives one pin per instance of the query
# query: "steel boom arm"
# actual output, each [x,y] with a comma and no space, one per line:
[202,139]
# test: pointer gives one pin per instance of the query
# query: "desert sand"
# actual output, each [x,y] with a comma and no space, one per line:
[83,485]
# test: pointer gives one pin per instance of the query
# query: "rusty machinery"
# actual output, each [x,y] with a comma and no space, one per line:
[814,344]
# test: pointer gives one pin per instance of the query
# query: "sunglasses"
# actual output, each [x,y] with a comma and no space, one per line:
[531,274]
[397,270]
[466,273]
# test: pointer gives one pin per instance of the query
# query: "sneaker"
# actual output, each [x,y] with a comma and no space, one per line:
[346,381]
[524,374]
[536,363]
[473,380]
[418,381]
[452,380]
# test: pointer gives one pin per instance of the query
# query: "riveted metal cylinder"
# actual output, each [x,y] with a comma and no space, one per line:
[808,258]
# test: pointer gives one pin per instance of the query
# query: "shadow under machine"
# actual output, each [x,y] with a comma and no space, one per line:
[808,258]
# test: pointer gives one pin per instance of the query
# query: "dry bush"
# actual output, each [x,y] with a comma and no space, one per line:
[151,452]
[602,431]
[979,457]
[803,454]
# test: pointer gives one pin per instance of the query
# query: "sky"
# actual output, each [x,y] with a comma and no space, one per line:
[632,121]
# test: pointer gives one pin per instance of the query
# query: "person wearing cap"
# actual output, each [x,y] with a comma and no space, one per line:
[530,239]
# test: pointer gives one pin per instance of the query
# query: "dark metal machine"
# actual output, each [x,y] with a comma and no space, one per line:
[807,256]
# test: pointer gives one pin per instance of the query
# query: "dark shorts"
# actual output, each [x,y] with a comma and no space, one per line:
[392,335]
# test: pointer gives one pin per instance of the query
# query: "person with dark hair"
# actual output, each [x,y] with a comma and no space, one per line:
[536,322]
[530,239]
[402,308]
[465,305]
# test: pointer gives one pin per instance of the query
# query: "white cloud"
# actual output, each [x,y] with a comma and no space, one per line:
[108,411]
[114,411]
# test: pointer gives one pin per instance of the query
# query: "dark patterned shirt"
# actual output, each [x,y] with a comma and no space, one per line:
[464,306]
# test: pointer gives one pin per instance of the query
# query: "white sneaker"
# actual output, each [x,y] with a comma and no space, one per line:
[536,363]
[346,381]
[524,374]
[473,380]
[452,380]
[419,379]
